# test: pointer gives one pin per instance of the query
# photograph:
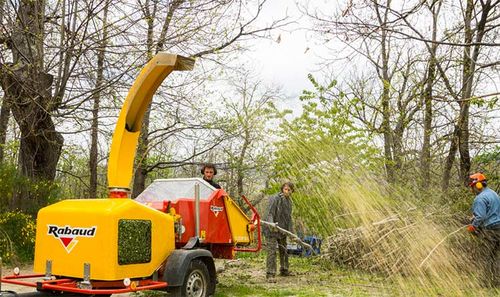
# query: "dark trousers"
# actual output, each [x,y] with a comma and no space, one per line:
[273,244]
[492,251]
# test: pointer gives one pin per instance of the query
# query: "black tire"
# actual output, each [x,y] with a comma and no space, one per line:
[196,281]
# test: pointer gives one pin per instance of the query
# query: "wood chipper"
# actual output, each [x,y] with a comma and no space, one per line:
[164,239]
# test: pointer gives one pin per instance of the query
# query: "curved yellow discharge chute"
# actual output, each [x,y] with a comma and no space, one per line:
[128,127]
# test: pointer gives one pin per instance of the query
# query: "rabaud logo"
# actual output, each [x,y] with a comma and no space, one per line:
[216,209]
[68,235]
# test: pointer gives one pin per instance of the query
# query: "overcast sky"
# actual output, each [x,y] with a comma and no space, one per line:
[289,56]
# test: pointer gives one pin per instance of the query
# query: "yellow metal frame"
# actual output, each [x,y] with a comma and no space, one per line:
[128,127]
[238,223]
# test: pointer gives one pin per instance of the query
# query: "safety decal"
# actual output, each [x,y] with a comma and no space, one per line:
[216,209]
[68,235]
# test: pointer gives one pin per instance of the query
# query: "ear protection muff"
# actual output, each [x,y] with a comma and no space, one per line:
[477,180]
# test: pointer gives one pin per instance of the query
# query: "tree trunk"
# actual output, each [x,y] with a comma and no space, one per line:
[450,159]
[470,59]
[2,10]
[386,128]
[425,157]
[97,101]
[141,172]
[4,121]
[397,147]
[41,144]
[471,53]
[5,110]
[467,78]
[240,170]
[463,143]
[386,111]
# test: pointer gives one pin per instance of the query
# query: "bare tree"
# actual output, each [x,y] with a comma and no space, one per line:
[149,10]
[387,97]
[388,29]
[248,113]
[41,41]
[476,25]
[479,20]
[101,52]
[53,87]
[425,158]
[5,109]
[214,31]
[28,90]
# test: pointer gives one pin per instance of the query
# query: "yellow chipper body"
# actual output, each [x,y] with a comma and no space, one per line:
[102,233]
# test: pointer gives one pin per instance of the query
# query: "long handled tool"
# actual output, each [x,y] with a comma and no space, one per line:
[290,234]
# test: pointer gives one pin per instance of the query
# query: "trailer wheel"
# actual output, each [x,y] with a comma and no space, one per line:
[196,281]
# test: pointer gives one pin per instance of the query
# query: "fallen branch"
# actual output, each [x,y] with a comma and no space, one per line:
[220,269]
[290,234]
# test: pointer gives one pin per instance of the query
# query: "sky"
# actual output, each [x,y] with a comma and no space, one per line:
[287,58]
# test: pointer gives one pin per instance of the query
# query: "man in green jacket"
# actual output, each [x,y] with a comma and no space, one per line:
[279,211]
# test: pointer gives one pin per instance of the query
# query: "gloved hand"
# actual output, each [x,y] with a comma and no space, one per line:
[472,229]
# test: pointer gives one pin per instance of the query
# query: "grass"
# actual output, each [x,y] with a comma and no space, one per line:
[246,278]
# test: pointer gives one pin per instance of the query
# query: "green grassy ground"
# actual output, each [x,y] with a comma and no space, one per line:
[246,277]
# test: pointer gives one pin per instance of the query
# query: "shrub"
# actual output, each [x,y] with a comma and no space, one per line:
[14,185]
[17,236]
[9,180]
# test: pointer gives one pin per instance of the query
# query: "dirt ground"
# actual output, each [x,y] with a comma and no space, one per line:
[18,289]
[28,269]
[235,277]
[229,272]
[24,291]
[246,277]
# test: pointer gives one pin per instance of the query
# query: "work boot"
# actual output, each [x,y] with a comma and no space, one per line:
[270,278]
[286,273]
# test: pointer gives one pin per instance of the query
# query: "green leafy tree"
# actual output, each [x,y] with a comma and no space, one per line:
[320,149]
[324,132]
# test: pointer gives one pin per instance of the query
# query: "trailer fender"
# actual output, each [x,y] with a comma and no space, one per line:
[178,263]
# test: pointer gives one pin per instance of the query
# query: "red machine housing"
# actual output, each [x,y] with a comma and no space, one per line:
[215,230]
[214,224]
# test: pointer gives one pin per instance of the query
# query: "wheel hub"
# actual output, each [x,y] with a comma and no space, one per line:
[195,286]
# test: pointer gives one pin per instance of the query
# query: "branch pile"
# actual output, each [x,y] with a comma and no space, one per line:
[379,247]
